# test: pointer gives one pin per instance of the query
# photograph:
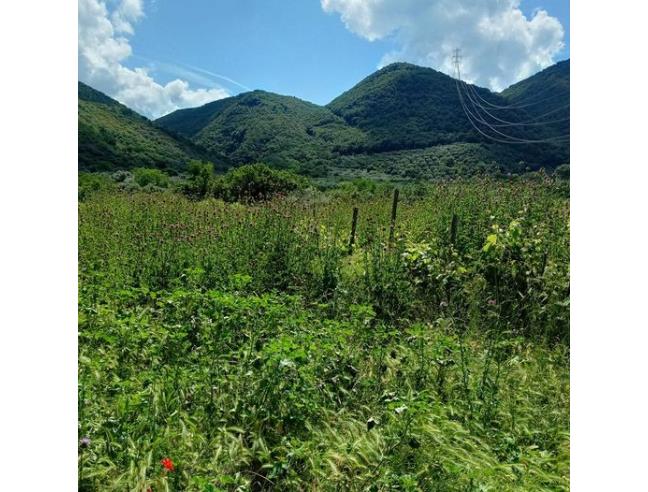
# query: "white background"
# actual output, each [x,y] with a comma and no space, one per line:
[38,348]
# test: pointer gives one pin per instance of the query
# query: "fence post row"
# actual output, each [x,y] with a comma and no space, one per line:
[392,225]
[354,222]
[453,229]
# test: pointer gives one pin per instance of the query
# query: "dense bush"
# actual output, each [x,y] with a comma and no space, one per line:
[253,182]
[201,179]
[90,183]
[256,182]
[150,177]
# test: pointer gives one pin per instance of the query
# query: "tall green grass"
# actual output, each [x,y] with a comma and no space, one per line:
[246,344]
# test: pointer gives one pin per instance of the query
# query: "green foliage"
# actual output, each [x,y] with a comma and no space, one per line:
[201,179]
[301,242]
[249,183]
[241,337]
[260,392]
[403,106]
[150,177]
[121,176]
[247,345]
[258,126]
[257,182]
[90,183]
[362,188]
[440,162]
[403,121]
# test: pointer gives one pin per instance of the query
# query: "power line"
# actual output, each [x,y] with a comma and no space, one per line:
[477,117]
[479,108]
[510,139]
[470,89]
[525,101]
[493,127]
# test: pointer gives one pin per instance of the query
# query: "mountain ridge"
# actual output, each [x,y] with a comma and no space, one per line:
[113,136]
[283,131]
[396,112]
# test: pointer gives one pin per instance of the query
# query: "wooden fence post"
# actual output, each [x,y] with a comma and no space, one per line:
[392,225]
[354,222]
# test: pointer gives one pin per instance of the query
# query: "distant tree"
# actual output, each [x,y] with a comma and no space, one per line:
[257,182]
[147,176]
[201,178]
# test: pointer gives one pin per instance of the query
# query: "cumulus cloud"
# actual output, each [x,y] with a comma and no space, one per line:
[104,46]
[499,44]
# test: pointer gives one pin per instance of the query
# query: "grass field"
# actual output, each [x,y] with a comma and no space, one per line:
[254,349]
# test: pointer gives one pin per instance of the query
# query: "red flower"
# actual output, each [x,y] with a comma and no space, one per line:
[167,464]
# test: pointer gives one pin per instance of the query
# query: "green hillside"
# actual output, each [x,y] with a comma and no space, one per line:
[279,130]
[403,120]
[437,162]
[112,136]
[544,97]
[404,106]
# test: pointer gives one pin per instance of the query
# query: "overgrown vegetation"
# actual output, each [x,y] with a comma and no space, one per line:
[150,177]
[249,183]
[90,183]
[254,349]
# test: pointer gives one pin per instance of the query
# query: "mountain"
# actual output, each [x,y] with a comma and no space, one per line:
[403,120]
[112,136]
[544,97]
[404,106]
[281,131]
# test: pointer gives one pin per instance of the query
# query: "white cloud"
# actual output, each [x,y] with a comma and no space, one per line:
[499,44]
[103,47]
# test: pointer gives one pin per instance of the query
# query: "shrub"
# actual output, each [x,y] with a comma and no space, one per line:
[90,183]
[201,178]
[363,187]
[257,182]
[146,176]
[121,176]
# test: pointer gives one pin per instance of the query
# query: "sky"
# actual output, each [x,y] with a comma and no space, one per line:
[157,56]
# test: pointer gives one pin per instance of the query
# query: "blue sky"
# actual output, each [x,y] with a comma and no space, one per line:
[288,46]
[311,49]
